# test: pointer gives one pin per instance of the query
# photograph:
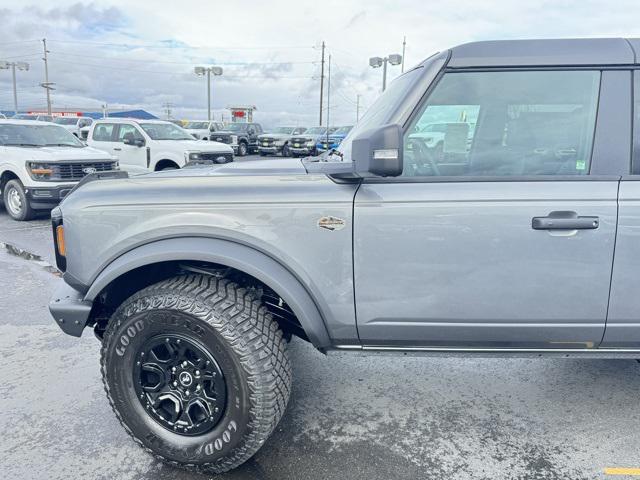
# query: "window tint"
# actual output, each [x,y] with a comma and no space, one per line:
[103,132]
[505,123]
[128,130]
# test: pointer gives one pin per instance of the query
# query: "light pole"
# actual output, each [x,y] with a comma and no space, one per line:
[201,71]
[13,65]
[377,62]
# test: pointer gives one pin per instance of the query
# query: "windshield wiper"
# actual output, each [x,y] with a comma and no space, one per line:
[23,145]
[62,145]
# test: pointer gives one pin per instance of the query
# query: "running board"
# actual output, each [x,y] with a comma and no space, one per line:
[603,353]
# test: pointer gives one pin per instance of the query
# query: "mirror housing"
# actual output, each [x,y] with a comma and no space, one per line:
[378,151]
[131,140]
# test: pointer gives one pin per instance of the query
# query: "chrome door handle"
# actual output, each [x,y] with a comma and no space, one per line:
[565,221]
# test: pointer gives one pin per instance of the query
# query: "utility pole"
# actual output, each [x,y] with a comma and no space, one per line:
[322,82]
[47,85]
[404,46]
[167,109]
[328,100]
[357,107]
[208,94]
[13,66]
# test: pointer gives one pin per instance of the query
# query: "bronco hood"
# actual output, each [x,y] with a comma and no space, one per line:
[288,166]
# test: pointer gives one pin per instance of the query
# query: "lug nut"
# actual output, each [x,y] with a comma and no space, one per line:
[184,364]
[197,372]
[186,393]
[175,384]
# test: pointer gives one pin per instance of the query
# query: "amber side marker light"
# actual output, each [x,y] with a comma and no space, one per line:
[62,250]
[630,472]
[41,171]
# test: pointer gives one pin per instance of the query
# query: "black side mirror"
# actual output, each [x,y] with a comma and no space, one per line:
[129,139]
[251,131]
[378,151]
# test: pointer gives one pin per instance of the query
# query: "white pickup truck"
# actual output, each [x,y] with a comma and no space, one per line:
[74,124]
[150,145]
[202,130]
[40,163]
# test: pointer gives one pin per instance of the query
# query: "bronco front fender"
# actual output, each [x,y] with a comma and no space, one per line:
[231,254]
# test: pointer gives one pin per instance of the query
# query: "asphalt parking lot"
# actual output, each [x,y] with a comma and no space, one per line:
[373,417]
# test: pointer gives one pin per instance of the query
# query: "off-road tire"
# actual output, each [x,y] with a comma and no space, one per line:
[237,330]
[24,212]
[242,149]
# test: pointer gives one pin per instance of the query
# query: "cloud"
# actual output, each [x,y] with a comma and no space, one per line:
[140,54]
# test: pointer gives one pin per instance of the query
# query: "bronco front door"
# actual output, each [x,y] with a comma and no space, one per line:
[500,231]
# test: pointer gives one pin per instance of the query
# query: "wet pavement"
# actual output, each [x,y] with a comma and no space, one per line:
[369,417]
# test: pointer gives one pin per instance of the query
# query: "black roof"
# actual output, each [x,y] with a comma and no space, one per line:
[571,52]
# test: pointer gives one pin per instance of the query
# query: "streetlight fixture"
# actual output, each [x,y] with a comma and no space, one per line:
[202,71]
[13,66]
[377,62]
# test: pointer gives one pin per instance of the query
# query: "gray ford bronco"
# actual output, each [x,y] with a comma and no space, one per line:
[516,235]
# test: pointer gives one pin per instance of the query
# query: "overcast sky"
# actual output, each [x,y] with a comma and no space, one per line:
[141,53]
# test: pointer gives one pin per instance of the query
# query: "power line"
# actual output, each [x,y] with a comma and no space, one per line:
[65,54]
[108,67]
[183,47]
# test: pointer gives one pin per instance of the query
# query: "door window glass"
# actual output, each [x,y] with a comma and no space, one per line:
[103,132]
[128,131]
[505,124]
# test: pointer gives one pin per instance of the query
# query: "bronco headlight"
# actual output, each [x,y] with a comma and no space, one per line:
[39,171]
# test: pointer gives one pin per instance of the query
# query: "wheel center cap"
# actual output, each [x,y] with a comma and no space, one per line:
[185,379]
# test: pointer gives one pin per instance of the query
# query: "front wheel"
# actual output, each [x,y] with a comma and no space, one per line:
[16,201]
[242,149]
[197,371]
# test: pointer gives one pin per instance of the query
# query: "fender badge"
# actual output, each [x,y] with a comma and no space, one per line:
[331,223]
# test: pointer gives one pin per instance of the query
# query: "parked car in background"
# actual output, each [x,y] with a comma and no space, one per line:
[278,141]
[179,123]
[33,116]
[333,140]
[304,144]
[150,145]
[40,162]
[74,124]
[2,115]
[202,130]
[242,137]
[433,135]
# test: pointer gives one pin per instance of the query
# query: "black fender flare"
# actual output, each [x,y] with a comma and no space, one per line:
[231,254]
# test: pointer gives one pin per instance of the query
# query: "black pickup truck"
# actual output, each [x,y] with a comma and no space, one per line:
[242,137]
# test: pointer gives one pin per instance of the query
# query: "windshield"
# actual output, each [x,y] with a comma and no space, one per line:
[237,127]
[378,114]
[37,136]
[24,116]
[165,131]
[285,130]
[316,131]
[342,130]
[66,121]
[197,125]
